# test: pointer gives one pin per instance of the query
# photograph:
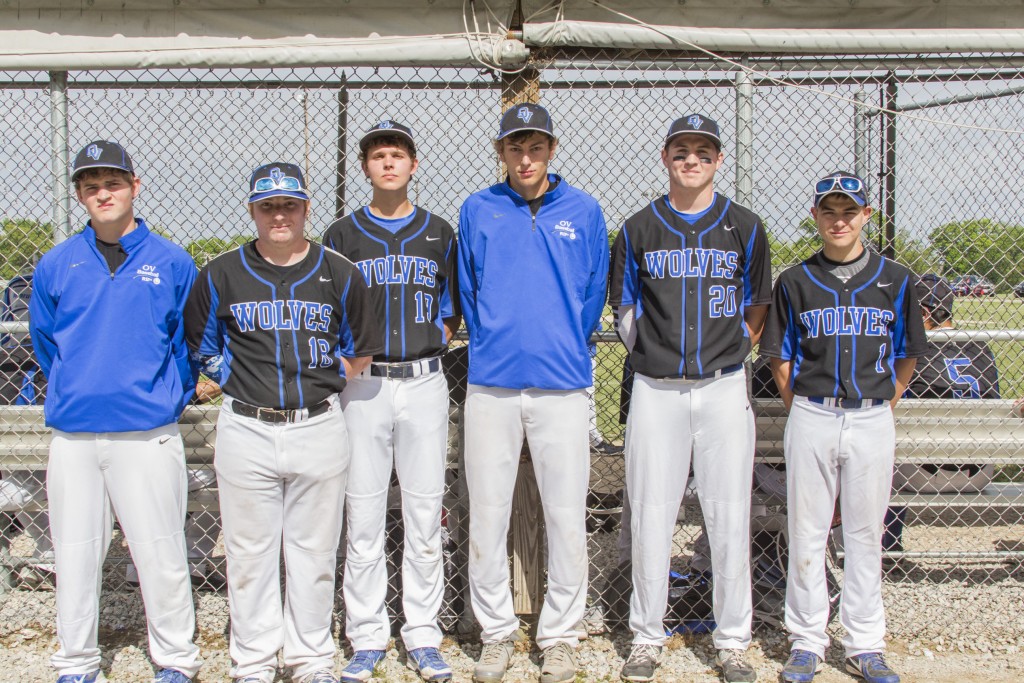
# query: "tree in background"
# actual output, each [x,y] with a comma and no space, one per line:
[981,246]
[22,242]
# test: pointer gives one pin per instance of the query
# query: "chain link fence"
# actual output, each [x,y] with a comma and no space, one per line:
[937,137]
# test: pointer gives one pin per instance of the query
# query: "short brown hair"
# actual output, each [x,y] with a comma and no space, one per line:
[99,171]
[388,141]
[519,137]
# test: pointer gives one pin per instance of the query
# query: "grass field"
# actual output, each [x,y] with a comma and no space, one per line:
[991,313]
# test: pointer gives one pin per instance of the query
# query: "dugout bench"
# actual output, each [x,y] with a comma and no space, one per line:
[928,431]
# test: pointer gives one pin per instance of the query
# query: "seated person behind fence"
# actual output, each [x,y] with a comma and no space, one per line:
[22,384]
[952,369]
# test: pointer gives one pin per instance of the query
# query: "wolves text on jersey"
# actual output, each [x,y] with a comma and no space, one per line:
[679,263]
[847,321]
[398,269]
[290,314]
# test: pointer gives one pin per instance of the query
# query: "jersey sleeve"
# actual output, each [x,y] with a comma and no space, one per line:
[42,317]
[204,332]
[332,237]
[597,286]
[359,332]
[449,287]
[908,337]
[623,281]
[466,275]
[187,368]
[780,338]
[757,276]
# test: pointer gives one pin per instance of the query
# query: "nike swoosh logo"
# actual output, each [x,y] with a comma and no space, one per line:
[433,239]
[164,440]
[75,265]
[324,279]
[883,284]
[730,228]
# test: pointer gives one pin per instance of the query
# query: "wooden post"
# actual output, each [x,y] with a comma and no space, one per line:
[527,529]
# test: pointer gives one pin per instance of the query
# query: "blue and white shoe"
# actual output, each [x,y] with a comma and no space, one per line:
[429,664]
[801,667]
[170,676]
[872,668]
[322,676]
[360,667]
[91,677]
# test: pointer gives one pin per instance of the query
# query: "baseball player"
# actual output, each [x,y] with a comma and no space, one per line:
[691,280]
[530,246]
[950,370]
[288,322]
[843,336]
[106,324]
[397,411]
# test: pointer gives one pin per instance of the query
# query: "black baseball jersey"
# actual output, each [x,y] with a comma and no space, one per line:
[410,274]
[690,284]
[843,337]
[281,330]
[954,369]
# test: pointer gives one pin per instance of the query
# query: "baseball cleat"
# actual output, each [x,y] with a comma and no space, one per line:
[428,663]
[91,677]
[735,667]
[872,668]
[170,676]
[321,676]
[559,665]
[801,667]
[641,663]
[360,667]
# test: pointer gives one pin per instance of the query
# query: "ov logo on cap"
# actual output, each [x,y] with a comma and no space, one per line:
[695,121]
[525,114]
[384,124]
[276,174]
[93,152]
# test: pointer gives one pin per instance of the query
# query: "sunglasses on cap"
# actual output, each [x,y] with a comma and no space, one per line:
[838,184]
[286,183]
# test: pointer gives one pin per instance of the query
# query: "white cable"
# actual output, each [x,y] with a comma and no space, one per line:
[790,84]
[476,49]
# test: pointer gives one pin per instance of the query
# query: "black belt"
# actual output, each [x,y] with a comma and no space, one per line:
[408,370]
[728,369]
[846,403]
[276,415]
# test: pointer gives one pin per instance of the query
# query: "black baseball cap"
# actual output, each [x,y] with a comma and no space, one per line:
[841,182]
[933,292]
[277,179]
[387,127]
[102,154]
[525,116]
[696,124]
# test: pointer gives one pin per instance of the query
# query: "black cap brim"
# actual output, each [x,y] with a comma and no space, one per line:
[364,142]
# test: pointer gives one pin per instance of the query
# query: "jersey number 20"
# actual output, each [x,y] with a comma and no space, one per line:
[722,302]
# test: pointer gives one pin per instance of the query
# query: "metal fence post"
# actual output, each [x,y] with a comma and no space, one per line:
[341,166]
[59,155]
[860,134]
[888,233]
[744,137]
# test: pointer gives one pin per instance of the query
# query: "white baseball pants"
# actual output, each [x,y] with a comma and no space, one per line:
[403,424]
[849,453]
[668,420]
[555,425]
[142,476]
[281,484]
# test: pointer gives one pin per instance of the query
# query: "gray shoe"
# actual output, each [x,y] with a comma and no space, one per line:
[735,667]
[642,661]
[494,661]
[559,664]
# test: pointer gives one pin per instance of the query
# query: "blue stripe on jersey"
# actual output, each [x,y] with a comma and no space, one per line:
[700,283]
[387,299]
[229,358]
[835,296]
[346,342]
[630,280]
[748,286]
[277,334]
[853,351]
[295,337]
[899,333]
[209,345]
[791,349]
[682,283]
[402,317]
[445,308]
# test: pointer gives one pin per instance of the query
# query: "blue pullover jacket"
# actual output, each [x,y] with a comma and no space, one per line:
[113,346]
[533,287]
